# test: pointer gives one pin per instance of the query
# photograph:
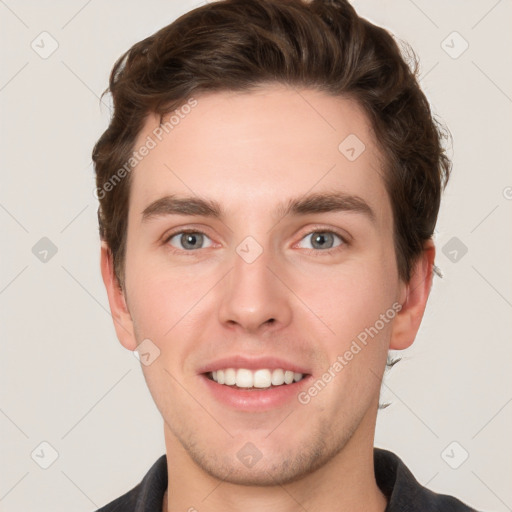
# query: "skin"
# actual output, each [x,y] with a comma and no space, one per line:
[249,152]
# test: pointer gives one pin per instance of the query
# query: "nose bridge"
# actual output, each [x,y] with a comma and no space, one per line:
[252,296]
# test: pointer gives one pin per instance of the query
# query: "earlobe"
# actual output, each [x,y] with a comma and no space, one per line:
[123,323]
[414,297]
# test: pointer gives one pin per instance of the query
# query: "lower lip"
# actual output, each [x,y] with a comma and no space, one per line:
[255,400]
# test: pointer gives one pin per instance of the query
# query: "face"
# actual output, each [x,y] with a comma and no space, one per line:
[257,242]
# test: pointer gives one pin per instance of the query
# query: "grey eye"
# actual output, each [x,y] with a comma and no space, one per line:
[322,240]
[190,241]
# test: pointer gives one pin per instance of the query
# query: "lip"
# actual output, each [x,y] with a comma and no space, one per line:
[254,400]
[253,363]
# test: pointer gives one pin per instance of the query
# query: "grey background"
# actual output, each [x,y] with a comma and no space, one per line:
[66,380]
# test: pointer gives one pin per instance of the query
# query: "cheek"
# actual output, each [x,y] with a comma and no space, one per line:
[158,305]
[165,301]
[353,298]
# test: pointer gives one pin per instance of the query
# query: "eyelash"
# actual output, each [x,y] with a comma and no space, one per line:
[326,252]
[315,252]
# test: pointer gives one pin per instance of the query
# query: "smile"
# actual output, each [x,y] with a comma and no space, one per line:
[247,397]
[264,378]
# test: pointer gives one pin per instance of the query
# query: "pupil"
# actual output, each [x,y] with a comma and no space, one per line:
[323,239]
[190,240]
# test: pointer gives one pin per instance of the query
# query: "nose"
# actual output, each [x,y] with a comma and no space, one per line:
[253,298]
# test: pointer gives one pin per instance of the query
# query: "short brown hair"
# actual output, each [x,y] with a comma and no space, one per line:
[236,45]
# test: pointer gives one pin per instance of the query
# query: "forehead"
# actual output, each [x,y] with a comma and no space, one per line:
[259,148]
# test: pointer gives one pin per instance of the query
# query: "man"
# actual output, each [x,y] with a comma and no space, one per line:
[269,185]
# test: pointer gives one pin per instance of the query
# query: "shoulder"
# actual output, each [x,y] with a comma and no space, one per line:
[124,503]
[147,496]
[405,493]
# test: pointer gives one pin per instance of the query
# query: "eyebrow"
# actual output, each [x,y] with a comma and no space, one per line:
[309,204]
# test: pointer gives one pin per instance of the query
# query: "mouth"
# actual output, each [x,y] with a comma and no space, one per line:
[255,391]
[250,380]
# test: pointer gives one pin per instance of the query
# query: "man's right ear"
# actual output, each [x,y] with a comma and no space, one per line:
[123,322]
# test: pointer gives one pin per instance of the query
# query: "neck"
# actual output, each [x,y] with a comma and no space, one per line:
[303,495]
[345,483]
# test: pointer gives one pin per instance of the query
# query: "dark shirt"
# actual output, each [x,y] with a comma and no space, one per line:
[403,491]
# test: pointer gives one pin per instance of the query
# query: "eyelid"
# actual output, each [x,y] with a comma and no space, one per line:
[344,236]
[183,230]
[188,228]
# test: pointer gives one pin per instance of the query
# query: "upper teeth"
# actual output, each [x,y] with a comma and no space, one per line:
[264,378]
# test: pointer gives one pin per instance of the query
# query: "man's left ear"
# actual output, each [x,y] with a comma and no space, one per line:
[414,299]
